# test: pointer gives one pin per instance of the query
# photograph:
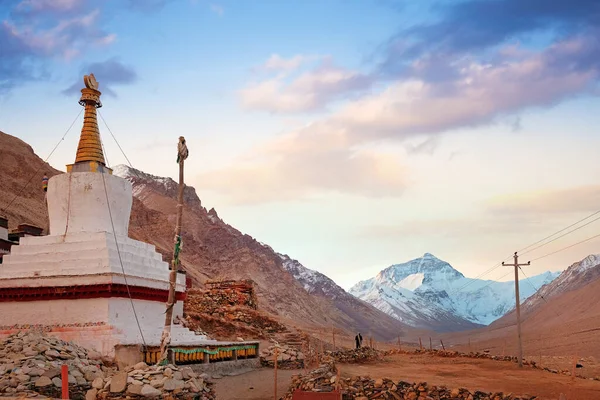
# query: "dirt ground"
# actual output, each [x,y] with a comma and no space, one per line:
[477,374]
[255,385]
[474,374]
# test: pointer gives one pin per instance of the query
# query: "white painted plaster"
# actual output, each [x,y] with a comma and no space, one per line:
[82,250]
[77,203]
[3,233]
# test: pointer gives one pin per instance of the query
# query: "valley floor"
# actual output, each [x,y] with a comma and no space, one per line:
[476,374]
[473,374]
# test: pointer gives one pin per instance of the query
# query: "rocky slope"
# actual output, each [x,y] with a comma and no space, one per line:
[428,293]
[315,283]
[18,165]
[575,277]
[216,250]
[212,249]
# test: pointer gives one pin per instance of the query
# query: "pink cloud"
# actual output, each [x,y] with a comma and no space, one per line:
[305,91]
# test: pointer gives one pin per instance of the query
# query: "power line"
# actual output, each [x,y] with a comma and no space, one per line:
[45,161]
[535,290]
[562,230]
[563,235]
[565,248]
[121,261]
[115,139]
[473,280]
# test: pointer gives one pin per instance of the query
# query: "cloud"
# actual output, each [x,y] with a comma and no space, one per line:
[278,63]
[305,91]
[306,163]
[475,25]
[427,147]
[217,9]
[478,94]
[108,73]
[545,202]
[44,6]
[37,31]
[148,6]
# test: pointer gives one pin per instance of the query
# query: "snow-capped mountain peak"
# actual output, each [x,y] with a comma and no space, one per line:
[429,293]
[420,272]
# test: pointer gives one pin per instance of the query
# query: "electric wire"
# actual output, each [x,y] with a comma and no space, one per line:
[535,290]
[116,141]
[42,165]
[563,235]
[121,261]
[562,230]
[565,248]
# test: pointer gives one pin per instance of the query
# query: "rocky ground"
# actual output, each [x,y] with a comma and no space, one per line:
[487,355]
[287,357]
[31,362]
[326,379]
[349,356]
[228,312]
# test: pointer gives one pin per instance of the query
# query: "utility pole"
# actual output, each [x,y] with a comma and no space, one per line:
[182,154]
[517,265]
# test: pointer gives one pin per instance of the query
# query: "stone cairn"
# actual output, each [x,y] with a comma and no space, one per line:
[30,366]
[325,379]
[353,356]
[287,357]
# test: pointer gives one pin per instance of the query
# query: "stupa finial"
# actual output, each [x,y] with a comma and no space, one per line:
[90,156]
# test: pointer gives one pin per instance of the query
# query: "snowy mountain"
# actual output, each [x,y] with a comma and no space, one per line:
[578,275]
[319,285]
[428,293]
[313,282]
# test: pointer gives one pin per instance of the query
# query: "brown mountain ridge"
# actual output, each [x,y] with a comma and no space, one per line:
[212,249]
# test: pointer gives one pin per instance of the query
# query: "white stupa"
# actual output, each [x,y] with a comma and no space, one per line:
[84,280]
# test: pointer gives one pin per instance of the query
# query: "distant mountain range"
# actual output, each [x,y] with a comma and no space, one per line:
[429,293]
[425,293]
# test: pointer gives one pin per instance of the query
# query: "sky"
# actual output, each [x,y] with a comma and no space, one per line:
[350,135]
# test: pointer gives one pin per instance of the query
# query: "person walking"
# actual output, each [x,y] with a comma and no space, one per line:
[357,340]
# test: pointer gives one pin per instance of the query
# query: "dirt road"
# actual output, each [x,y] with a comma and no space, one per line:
[477,374]
[255,385]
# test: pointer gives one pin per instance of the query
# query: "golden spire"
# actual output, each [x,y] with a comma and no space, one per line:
[90,156]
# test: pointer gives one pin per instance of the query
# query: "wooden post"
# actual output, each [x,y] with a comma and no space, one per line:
[182,154]
[64,372]
[518,302]
[443,348]
[333,336]
[540,350]
[305,361]
[420,344]
[430,346]
[275,372]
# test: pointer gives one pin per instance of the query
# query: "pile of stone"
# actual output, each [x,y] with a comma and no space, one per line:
[325,379]
[287,357]
[228,309]
[220,294]
[31,362]
[153,381]
[352,356]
